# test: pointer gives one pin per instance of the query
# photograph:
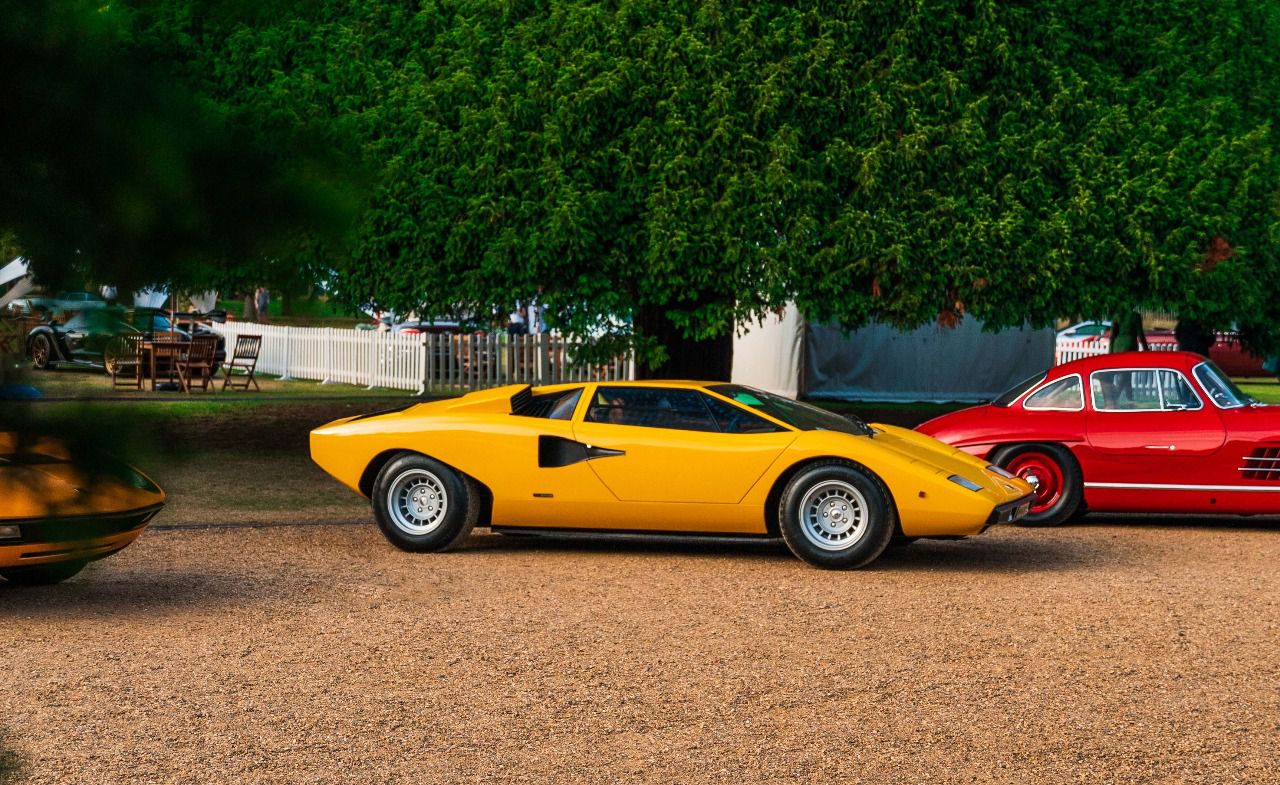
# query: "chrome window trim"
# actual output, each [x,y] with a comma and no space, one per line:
[1045,385]
[1093,406]
[1211,398]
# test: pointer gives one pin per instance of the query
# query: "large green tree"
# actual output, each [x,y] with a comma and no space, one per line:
[113,170]
[691,165]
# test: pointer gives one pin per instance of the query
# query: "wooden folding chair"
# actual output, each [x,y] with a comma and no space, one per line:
[123,358]
[245,358]
[197,362]
[167,348]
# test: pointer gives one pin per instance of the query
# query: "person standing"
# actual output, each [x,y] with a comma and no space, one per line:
[1127,334]
[517,321]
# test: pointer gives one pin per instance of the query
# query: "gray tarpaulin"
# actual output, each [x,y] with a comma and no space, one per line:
[879,363]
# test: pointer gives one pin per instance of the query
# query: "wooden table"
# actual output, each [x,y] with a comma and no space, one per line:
[173,350]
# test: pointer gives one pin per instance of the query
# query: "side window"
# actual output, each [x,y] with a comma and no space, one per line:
[1142,390]
[1065,393]
[651,407]
[732,419]
[1177,392]
[563,410]
[550,406]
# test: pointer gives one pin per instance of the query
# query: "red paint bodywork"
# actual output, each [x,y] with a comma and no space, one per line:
[1204,448]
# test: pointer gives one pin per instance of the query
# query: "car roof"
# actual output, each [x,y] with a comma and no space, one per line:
[1180,360]
[687,384]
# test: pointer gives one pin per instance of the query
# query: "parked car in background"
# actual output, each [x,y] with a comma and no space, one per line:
[1084,331]
[660,456]
[78,301]
[34,307]
[432,327]
[58,514]
[1161,432]
[86,338]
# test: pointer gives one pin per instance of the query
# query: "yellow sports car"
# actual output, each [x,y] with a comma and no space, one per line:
[661,456]
[57,515]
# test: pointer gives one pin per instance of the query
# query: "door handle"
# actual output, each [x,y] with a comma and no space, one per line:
[1161,447]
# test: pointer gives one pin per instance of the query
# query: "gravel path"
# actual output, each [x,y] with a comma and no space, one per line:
[1120,651]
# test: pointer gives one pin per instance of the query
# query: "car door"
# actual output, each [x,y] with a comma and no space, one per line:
[666,444]
[1150,426]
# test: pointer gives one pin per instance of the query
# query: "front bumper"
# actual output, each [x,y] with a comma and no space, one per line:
[1011,512]
[89,537]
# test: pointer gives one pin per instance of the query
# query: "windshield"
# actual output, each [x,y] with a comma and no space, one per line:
[1222,391]
[1015,392]
[793,413]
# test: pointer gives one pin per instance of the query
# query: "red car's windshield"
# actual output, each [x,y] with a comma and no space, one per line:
[1015,392]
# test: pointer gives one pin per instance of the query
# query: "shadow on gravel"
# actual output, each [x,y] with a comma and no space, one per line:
[1224,523]
[128,593]
[972,555]
[768,550]
[978,554]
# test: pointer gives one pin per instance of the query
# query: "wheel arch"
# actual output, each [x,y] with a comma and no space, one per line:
[55,342]
[370,475]
[774,496]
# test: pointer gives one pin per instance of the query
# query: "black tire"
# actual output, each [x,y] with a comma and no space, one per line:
[848,485]
[111,353]
[1051,463]
[41,352]
[437,531]
[42,574]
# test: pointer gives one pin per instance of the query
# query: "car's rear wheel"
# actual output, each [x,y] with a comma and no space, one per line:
[423,505]
[42,574]
[836,515]
[41,352]
[1055,475]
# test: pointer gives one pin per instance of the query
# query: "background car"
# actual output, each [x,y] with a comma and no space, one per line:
[58,514]
[676,457]
[37,308]
[1132,432]
[86,337]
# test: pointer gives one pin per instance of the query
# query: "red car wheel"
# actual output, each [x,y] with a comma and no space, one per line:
[1055,475]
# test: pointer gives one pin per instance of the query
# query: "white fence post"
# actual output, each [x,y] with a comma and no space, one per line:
[288,357]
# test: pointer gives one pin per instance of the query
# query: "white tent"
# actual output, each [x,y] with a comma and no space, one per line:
[17,274]
[768,356]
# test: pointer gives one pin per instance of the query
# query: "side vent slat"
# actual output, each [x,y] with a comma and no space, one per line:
[1262,464]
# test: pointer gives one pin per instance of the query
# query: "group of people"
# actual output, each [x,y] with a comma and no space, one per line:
[526,319]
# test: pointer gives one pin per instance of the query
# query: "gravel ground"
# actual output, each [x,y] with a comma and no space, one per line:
[263,632]
[1111,652]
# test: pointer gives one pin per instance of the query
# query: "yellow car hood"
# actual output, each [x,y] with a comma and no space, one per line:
[39,480]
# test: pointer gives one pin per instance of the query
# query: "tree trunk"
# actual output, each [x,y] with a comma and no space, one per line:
[709,360]
[250,308]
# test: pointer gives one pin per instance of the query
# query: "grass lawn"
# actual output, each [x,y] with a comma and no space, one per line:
[1265,390]
[77,383]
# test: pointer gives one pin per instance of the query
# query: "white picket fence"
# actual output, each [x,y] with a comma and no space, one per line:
[1066,351]
[426,362]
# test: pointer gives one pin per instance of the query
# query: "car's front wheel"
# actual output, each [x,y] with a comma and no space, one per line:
[1055,475]
[41,352]
[423,505]
[42,574]
[836,515]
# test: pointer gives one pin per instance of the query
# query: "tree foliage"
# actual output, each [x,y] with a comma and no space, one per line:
[900,161]
[112,170]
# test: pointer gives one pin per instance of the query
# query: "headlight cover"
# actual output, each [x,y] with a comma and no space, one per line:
[965,483]
[999,471]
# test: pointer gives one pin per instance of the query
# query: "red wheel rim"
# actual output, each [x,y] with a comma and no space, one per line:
[1046,470]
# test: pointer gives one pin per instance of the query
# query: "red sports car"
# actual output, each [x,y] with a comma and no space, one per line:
[1130,432]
